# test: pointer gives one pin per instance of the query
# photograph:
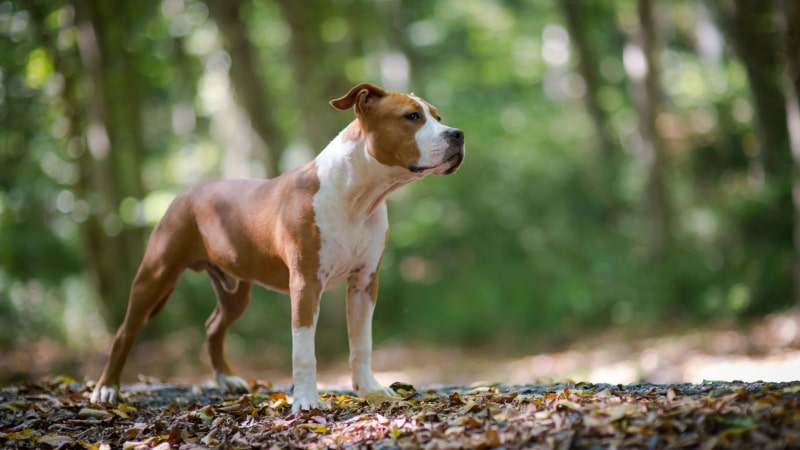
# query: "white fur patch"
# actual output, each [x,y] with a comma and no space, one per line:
[431,139]
[349,209]
[304,369]
[105,395]
[231,383]
[360,311]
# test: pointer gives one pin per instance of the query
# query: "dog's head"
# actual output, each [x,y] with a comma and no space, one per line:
[404,130]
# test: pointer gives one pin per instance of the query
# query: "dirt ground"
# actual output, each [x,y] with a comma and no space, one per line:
[768,350]
[721,386]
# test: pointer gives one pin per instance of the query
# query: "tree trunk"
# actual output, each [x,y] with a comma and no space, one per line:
[749,27]
[574,12]
[111,170]
[649,98]
[248,83]
[791,14]
[314,86]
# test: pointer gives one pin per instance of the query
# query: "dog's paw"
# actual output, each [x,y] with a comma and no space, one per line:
[306,403]
[232,384]
[369,385]
[105,395]
[380,392]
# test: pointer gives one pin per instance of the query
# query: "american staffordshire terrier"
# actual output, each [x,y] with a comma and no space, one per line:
[299,233]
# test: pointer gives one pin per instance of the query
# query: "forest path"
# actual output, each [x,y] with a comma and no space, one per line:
[56,414]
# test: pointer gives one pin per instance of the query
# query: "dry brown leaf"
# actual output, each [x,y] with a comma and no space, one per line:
[732,416]
[55,440]
[315,427]
[102,414]
[455,399]
[470,407]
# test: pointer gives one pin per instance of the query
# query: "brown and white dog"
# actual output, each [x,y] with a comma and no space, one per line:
[299,233]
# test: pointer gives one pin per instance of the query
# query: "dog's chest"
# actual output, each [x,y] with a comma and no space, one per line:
[347,245]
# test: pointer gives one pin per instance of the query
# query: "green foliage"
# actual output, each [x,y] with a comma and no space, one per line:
[539,238]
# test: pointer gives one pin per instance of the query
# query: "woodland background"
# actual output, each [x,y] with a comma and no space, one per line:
[630,164]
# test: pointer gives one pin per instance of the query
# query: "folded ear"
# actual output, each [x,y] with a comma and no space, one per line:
[359,96]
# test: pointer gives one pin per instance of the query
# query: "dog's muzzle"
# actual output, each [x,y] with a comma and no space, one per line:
[453,156]
[455,152]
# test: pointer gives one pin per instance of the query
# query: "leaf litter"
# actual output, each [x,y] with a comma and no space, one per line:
[56,414]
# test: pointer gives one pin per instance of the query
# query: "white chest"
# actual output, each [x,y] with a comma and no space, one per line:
[349,208]
[347,245]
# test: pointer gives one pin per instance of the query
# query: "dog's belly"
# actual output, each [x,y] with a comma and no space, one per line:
[273,276]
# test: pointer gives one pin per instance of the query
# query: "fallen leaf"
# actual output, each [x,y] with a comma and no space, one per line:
[102,414]
[671,394]
[568,404]
[315,427]
[405,390]
[25,434]
[14,406]
[55,440]
[470,407]
[348,401]
[162,446]
[471,421]
[456,400]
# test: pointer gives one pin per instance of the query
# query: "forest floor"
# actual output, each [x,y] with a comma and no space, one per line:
[696,388]
[56,414]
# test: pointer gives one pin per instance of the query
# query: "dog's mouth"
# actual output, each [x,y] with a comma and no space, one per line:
[456,159]
[452,162]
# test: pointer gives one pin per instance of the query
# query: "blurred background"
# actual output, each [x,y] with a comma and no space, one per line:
[625,207]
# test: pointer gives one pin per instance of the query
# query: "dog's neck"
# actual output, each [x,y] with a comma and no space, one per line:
[358,183]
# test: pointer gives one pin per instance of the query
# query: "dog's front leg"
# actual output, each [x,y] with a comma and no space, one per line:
[362,290]
[305,310]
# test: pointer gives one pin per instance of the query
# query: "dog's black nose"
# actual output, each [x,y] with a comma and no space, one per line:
[456,135]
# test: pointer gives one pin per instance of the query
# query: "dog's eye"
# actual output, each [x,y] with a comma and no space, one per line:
[414,116]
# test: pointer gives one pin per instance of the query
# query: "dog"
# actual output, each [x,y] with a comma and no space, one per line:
[299,233]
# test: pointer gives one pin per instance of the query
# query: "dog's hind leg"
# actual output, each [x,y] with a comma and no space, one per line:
[150,290]
[233,296]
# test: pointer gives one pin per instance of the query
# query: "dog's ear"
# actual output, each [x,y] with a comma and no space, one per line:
[359,96]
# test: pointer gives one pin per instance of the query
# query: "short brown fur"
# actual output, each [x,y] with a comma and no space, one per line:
[243,226]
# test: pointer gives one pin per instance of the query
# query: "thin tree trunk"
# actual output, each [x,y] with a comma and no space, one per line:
[314,86]
[91,231]
[248,83]
[791,14]
[748,25]
[657,203]
[574,12]
[111,168]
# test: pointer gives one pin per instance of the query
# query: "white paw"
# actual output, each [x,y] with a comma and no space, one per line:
[105,395]
[307,402]
[380,391]
[232,384]
[369,385]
